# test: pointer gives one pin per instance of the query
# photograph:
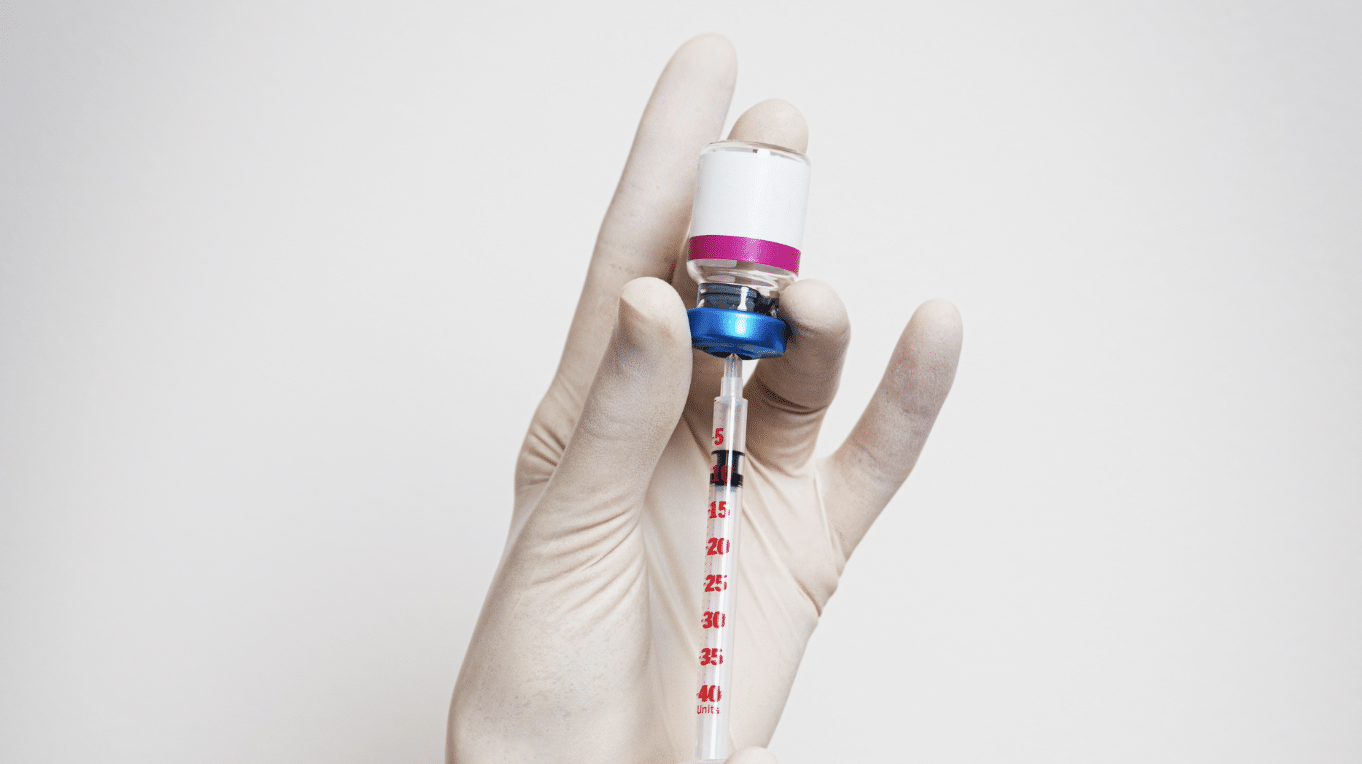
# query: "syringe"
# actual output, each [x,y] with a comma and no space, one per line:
[747,226]
[721,565]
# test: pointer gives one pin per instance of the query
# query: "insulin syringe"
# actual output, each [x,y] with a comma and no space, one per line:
[721,565]
[747,226]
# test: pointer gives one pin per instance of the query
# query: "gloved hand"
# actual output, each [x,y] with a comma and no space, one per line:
[586,649]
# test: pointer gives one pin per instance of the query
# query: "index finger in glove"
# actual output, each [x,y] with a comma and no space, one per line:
[642,230]
[649,213]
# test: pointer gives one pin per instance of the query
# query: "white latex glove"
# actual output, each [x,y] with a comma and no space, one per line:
[587,646]
[752,755]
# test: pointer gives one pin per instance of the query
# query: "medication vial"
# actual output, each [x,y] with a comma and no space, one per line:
[747,227]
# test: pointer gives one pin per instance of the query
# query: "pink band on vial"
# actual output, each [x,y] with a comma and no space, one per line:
[714,247]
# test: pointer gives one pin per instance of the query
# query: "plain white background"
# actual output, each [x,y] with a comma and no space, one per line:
[280,284]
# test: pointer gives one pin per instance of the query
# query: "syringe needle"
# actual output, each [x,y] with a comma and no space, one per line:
[730,386]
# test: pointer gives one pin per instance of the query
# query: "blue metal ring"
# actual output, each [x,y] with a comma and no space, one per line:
[721,332]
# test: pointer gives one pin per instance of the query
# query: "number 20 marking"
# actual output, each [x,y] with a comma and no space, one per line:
[718,546]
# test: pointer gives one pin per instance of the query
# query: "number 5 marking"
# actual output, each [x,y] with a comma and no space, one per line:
[718,436]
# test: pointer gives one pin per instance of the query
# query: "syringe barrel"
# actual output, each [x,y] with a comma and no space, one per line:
[719,597]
